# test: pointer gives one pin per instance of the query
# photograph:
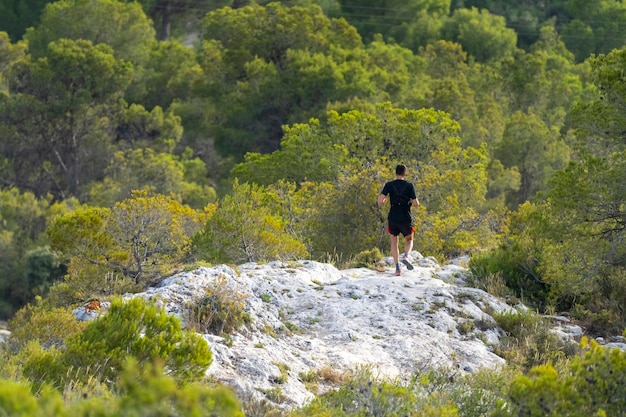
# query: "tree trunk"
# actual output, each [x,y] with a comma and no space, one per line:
[166,23]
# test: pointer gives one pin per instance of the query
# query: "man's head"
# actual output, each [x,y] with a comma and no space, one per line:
[401,170]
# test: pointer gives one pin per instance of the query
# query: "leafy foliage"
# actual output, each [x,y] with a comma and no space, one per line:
[136,239]
[16,16]
[244,228]
[10,53]
[131,329]
[93,107]
[48,327]
[536,152]
[363,394]
[58,119]
[592,385]
[27,266]
[482,34]
[155,173]
[530,341]
[516,261]
[122,26]
[145,390]
[451,181]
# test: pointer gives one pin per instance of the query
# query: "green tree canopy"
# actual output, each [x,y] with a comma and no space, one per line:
[58,119]
[274,67]
[412,23]
[307,153]
[269,32]
[483,35]
[123,248]
[122,26]
[27,266]
[451,181]
[535,150]
[9,53]
[574,237]
[525,17]
[545,79]
[593,28]
[157,173]
[17,15]
[171,73]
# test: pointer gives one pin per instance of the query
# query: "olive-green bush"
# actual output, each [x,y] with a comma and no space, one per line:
[131,329]
[593,384]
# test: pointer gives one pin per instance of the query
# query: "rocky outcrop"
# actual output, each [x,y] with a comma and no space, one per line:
[309,317]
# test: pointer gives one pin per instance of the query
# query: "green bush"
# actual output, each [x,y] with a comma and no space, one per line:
[602,311]
[517,267]
[477,394]
[592,385]
[141,391]
[132,329]
[245,227]
[48,326]
[365,395]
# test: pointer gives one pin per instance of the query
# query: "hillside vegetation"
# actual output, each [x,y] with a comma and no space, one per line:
[138,138]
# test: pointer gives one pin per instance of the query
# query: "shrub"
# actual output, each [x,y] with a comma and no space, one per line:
[602,312]
[529,340]
[284,372]
[516,265]
[477,394]
[132,243]
[220,310]
[48,326]
[367,258]
[135,329]
[17,400]
[466,327]
[592,385]
[363,394]
[141,391]
[246,228]
[517,323]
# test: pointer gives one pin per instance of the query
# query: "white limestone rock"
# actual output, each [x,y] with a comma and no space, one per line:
[4,335]
[309,316]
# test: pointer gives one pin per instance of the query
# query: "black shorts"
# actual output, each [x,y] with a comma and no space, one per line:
[395,229]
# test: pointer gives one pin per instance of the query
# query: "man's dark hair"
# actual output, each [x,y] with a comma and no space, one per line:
[401,170]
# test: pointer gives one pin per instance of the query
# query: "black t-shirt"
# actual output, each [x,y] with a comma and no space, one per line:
[400,194]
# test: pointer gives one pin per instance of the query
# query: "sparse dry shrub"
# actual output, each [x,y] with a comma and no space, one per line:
[493,283]
[367,259]
[529,340]
[254,407]
[332,376]
[220,310]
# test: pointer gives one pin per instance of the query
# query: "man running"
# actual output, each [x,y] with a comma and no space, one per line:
[401,196]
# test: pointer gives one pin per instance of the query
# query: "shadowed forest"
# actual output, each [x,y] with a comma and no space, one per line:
[142,138]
